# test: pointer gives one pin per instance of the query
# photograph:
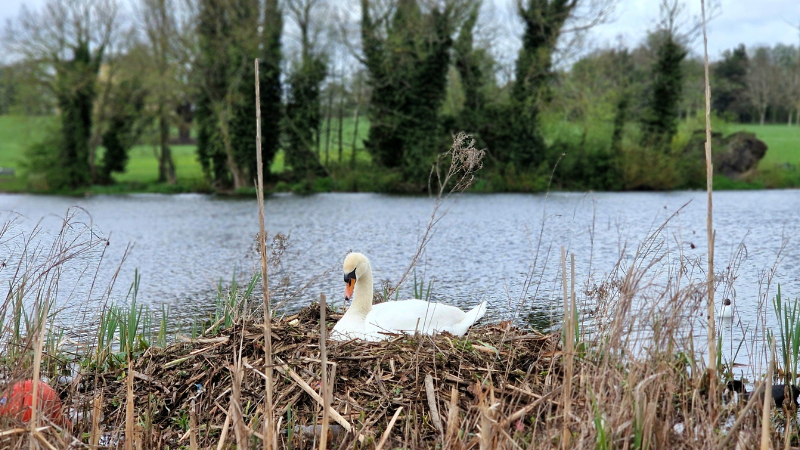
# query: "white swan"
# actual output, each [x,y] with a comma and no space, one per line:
[726,312]
[366,321]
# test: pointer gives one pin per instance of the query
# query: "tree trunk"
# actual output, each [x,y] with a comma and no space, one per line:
[96,140]
[328,124]
[761,115]
[355,138]
[166,167]
[238,180]
[790,118]
[341,126]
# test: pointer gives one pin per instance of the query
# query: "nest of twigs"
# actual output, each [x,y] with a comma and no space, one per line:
[186,391]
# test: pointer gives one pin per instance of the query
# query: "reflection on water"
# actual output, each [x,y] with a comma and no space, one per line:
[484,248]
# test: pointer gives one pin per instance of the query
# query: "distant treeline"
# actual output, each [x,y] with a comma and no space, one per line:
[418,70]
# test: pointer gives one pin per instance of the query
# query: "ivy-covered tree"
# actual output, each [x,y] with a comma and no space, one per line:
[543,21]
[125,125]
[66,42]
[271,89]
[407,55]
[230,40]
[303,116]
[304,85]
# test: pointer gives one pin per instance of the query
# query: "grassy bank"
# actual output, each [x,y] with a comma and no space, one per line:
[778,169]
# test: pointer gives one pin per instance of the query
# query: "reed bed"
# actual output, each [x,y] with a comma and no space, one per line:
[494,363]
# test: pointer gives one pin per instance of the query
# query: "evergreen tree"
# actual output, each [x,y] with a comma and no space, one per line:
[660,118]
[730,87]
[625,67]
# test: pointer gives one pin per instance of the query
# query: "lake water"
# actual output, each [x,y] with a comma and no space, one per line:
[483,247]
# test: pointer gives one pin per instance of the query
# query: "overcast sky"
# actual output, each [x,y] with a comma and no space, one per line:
[741,21]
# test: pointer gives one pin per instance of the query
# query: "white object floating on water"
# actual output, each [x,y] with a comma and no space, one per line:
[363,320]
[726,312]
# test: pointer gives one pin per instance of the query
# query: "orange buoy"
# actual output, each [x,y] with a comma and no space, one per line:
[16,403]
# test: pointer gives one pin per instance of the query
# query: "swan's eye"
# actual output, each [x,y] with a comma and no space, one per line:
[350,276]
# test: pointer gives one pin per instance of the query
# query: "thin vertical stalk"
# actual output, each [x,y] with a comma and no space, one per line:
[37,365]
[765,415]
[566,332]
[129,399]
[326,389]
[712,348]
[269,434]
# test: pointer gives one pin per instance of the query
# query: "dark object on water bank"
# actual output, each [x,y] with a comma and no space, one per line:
[778,392]
[735,156]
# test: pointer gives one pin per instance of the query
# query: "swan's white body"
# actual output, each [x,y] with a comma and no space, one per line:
[369,322]
[726,311]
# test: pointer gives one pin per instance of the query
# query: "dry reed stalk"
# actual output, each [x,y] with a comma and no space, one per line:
[487,401]
[712,335]
[567,332]
[129,404]
[97,411]
[37,364]
[743,413]
[192,427]
[39,437]
[324,387]
[270,433]
[310,391]
[787,433]
[223,436]
[452,419]
[765,441]
[430,393]
[240,429]
[388,431]
[130,420]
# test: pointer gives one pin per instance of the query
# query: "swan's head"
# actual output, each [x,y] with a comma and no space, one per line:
[726,302]
[355,266]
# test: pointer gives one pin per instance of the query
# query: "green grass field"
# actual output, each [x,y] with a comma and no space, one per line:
[17,132]
[783,142]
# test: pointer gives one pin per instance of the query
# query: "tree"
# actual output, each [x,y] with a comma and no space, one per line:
[406,50]
[761,81]
[126,123]
[67,42]
[660,118]
[229,41]
[167,60]
[303,109]
[787,71]
[729,96]
[543,22]
[271,89]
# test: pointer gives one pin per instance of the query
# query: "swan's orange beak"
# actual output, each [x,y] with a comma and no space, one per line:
[348,289]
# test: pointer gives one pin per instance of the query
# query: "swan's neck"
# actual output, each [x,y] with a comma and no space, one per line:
[362,294]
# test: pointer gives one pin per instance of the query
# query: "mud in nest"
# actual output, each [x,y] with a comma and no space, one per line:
[496,364]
